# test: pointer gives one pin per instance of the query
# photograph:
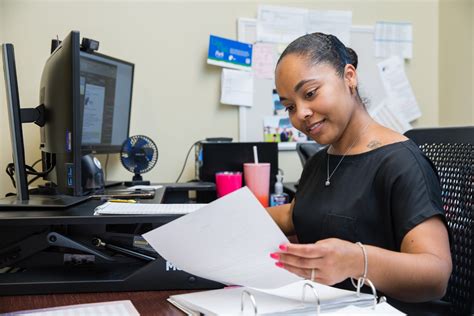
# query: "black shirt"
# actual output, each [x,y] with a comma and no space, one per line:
[375,197]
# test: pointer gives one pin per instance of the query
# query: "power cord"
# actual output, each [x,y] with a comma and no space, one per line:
[30,170]
[186,160]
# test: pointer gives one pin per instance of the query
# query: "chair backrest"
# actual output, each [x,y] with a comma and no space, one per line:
[451,150]
[306,150]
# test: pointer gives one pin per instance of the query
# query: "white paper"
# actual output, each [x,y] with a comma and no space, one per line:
[277,24]
[228,241]
[119,308]
[144,187]
[117,208]
[337,23]
[264,58]
[400,94]
[393,39]
[236,87]
[247,30]
[385,115]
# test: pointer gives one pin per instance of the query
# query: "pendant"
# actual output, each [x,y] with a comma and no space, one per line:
[327,183]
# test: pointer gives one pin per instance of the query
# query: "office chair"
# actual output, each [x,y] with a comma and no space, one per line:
[306,150]
[451,150]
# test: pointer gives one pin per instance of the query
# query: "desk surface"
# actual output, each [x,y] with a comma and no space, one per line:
[146,302]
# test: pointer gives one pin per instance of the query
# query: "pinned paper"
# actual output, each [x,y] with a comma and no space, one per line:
[337,23]
[247,30]
[393,39]
[229,53]
[236,87]
[264,60]
[277,24]
[399,91]
[389,117]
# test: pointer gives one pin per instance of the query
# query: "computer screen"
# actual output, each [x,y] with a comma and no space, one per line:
[106,94]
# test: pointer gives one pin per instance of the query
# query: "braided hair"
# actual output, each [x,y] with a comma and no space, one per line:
[322,48]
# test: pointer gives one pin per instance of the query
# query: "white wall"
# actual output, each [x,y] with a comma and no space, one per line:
[176,94]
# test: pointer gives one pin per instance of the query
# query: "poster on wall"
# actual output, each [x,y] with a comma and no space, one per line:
[229,53]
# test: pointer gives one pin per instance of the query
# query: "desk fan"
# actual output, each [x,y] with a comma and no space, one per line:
[139,154]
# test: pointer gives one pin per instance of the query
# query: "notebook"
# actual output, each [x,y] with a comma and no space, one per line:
[112,208]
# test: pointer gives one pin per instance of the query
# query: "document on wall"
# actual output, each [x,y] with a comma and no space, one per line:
[393,39]
[277,24]
[118,308]
[247,30]
[264,60]
[236,87]
[385,115]
[228,241]
[399,91]
[337,23]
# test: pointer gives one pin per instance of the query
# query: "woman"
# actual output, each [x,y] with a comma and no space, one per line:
[370,185]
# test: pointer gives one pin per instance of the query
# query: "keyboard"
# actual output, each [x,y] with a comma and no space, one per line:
[111,208]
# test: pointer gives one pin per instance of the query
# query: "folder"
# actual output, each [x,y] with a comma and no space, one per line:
[299,298]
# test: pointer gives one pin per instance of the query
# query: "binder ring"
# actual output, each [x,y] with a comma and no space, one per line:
[318,302]
[252,300]
[360,283]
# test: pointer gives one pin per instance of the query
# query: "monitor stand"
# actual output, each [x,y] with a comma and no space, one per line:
[41,201]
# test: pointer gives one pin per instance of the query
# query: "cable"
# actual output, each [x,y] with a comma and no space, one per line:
[29,170]
[186,160]
[36,162]
[105,167]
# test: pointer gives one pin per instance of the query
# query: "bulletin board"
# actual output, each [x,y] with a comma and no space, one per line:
[370,87]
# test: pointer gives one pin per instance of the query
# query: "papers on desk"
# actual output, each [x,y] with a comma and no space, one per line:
[116,308]
[112,208]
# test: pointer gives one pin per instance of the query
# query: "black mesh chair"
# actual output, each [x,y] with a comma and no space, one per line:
[451,150]
[306,150]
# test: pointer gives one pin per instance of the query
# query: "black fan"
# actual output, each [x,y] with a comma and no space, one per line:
[139,154]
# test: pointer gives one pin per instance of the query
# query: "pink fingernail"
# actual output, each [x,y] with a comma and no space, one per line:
[283,247]
[275,256]
[279,264]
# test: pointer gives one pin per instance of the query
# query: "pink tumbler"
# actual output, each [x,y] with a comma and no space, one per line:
[257,179]
[227,182]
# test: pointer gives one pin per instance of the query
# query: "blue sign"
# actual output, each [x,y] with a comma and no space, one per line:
[228,53]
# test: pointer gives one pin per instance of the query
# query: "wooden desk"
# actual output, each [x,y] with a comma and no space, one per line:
[146,302]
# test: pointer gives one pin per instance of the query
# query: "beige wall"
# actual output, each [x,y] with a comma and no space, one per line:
[176,94]
[456,98]
[5,152]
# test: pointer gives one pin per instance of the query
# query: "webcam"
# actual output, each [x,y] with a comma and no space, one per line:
[89,45]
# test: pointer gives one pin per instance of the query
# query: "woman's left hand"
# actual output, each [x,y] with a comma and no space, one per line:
[333,260]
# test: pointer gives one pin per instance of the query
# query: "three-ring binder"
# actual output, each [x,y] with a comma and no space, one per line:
[360,283]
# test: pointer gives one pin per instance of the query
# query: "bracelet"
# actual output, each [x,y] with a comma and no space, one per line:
[364,276]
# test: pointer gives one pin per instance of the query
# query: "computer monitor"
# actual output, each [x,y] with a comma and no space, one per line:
[81,93]
[17,116]
[61,134]
[106,96]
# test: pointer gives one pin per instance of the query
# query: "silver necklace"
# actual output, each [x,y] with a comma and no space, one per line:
[328,179]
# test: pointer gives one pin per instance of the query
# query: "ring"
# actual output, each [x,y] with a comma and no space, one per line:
[312,275]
